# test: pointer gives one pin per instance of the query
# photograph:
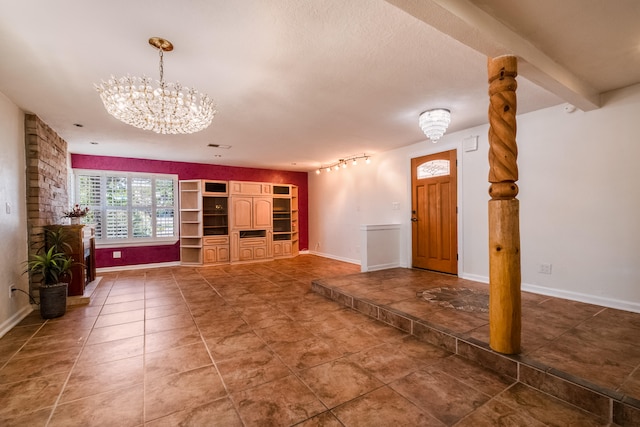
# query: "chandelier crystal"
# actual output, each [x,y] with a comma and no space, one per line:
[165,108]
[434,123]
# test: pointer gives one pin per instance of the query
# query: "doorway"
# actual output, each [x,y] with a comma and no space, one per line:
[434,212]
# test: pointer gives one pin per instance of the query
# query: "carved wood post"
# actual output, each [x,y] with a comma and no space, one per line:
[504,209]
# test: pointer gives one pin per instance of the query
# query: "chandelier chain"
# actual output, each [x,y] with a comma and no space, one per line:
[161,66]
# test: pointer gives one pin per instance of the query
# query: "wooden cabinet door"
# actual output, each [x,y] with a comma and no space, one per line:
[286,248]
[246,254]
[260,252]
[241,211]
[262,215]
[210,255]
[277,249]
[223,253]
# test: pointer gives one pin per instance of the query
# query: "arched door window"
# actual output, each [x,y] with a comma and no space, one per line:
[432,169]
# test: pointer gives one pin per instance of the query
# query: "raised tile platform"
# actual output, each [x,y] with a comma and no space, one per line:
[586,355]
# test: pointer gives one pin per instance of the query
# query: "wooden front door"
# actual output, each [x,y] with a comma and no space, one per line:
[433,212]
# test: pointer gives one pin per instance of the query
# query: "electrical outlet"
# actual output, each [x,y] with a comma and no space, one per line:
[117,254]
[544,268]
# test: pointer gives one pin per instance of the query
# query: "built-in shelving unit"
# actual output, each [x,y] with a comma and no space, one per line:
[285,221]
[191,221]
[295,244]
[237,221]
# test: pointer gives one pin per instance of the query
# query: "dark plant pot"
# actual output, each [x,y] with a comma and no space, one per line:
[53,300]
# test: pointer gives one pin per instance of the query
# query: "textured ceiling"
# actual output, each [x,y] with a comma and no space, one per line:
[302,83]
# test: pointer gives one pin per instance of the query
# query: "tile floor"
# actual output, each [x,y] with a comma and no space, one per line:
[253,345]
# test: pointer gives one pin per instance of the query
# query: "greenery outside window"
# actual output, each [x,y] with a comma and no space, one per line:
[128,208]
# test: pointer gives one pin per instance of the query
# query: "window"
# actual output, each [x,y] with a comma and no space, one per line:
[128,208]
[433,168]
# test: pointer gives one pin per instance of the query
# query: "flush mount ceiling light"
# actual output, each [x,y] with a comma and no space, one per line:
[167,108]
[434,123]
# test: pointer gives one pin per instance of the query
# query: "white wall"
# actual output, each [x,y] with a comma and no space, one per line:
[13,215]
[579,201]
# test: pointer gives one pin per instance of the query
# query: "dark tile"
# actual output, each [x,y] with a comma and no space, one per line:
[111,350]
[547,409]
[495,413]
[306,353]
[119,407]
[221,412]
[251,369]
[626,415]
[366,308]
[433,336]
[29,395]
[92,379]
[285,401]
[488,358]
[339,381]
[387,363]
[185,390]
[342,298]
[20,368]
[441,395]
[325,419]
[175,360]
[396,320]
[577,395]
[171,338]
[227,347]
[383,407]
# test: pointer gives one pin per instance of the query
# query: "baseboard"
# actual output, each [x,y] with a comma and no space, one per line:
[586,298]
[337,258]
[474,277]
[570,295]
[12,321]
[381,267]
[137,267]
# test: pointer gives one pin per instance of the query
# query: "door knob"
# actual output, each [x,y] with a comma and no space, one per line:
[414,219]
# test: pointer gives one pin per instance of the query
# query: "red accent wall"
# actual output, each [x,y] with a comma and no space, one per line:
[170,253]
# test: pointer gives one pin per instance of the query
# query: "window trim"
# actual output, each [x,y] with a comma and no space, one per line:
[131,241]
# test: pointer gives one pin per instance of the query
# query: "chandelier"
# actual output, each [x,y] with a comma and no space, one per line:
[434,123]
[167,108]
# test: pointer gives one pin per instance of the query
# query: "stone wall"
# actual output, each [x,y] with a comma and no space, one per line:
[47,179]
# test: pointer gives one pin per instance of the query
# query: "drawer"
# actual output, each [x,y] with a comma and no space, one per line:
[217,240]
[252,242]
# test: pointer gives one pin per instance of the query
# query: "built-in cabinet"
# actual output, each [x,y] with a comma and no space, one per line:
[237,221]
[285,221]
[251,212]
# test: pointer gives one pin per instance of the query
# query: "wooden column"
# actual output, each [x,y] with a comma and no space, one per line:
[504,229]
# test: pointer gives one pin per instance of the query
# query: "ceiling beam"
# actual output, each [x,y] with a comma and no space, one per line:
[471,26]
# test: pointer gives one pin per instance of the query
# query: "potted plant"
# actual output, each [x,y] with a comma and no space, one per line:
[53,266]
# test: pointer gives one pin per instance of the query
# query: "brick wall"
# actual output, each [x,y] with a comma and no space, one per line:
[47,179]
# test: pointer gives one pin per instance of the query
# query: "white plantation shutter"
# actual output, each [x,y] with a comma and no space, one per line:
[165,207]
[128,207]
[89,194]
[116,203]
[141,207]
